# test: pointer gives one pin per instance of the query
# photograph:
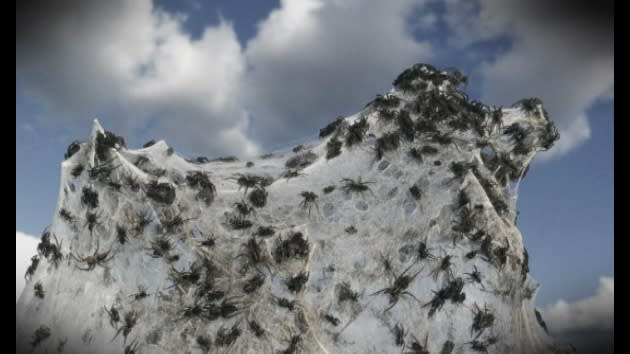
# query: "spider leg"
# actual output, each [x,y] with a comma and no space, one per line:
[108,259]
[392,305]
[238,312]
[410,294]
[76,258]
[380,291]
[268,268]
[415,275]
[118,332]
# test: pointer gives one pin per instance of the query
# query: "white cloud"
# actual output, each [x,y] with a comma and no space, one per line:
[562,55]
[309,61]
[25,248]
[596,312]
[132,62]
[312,60]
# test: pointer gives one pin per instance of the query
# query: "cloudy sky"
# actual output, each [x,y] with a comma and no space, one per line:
[242,78]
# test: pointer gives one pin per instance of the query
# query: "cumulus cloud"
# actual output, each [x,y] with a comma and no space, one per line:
[313,60]
[309,61]
[592,313]
[561,52]
[133,63]
[25,248]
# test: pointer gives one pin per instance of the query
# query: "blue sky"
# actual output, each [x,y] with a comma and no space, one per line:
[236,77]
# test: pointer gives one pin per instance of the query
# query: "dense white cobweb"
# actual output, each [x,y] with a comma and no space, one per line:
[349,234]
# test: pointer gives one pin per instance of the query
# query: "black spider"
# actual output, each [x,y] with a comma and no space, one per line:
[254,283]
[204,343]
[540,320]
[346,293]
[398,288]
[114,316]
[448,347]
[77,170]
[286,303]
[352,186]
[190,277]
[196,310]
[129,322]
[89,197]
[309,200]
[444,266]
[475,275]
[32,268]
[121,234]
[248,181]
[240,224]
[415,192]
[471,254]
[42,333]
[399,332]
[332,319]
[226,337]
[65,214]
[39,290]
[357,131]
[294,343]
[296,283]
[256,328]
[141,294]
[91,220]
[226,309]
[265,231]
[73,148]
[243,209]
[482,319]
[333,148]
[330,128]
[296,246]
[258,197]
[452,291]
[417,348]
[387,142]
[423,252]
[329,189]
[208,242]
[255,254]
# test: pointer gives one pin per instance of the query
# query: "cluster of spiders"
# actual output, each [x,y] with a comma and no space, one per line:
[213,302]
[206,190]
